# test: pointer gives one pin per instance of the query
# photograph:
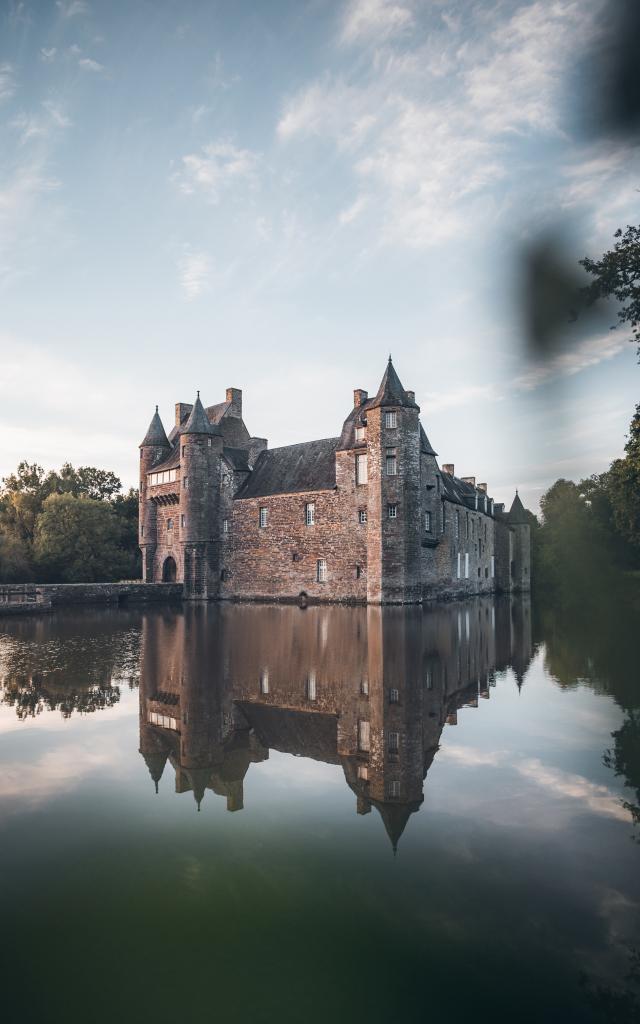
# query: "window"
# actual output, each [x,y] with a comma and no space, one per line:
[169,524]
[491,507]
[394,790]
[362,515]
[183,521]
[142,531]
[493,567]
[476,502]
[394,696]
[459,565]
[263,518]
[310,686]
[427,521]
[363,772]
[392,462]
[321,570]
[359,433]
[164,721]
[394,742]
[363,735]
[167,477]
[208,442]
[364,687]
[429,680]
[358,572]
[185,483]
[264,680]
[184,448]
[485,503]
[225,525]
[310,513]
[466,565]
[392,511]
[223,575]
[390,420]
[361,469]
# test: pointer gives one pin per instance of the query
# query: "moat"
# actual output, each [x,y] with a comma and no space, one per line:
[269,813]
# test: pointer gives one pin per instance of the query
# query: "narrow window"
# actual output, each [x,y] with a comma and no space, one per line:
[142,531]
[223,575]
[185,483]
[363,735]
[361,469]
[392,462]
[466,565]
[225,525]
[310,513]
[485,503]
[310,687]
[321,570]
[429,680]
[364,687]
[394,790]
[392,511]
[476,502]
[263,518]
[183,520]
[390,420]
[478,570]
[264,680]
[363,772]
[358,571]
[184,448]
[359,433]
[459,564]
[169,524]
[394,696]
[493,566]
[362,515]
[209,442]
[394,742]
[427,521]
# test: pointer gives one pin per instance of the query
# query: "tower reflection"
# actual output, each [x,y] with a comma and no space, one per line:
[369,689]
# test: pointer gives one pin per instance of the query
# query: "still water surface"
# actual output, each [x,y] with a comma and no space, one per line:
[331,814]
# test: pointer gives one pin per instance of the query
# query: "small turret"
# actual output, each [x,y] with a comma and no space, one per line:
[154,448]
[198,422]
[155,436]
[520,554]
[200,461]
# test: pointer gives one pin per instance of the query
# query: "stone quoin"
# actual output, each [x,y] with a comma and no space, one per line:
[367,516]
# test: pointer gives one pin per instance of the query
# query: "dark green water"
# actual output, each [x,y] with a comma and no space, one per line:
[362,815]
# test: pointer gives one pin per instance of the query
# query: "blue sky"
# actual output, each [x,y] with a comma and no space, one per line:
[276,195]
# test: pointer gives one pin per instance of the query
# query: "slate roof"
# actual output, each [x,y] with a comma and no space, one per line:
[216,412]
[517,512]
[297,467]
[238,458]
[462,493]
[155,435]
[198,422]
[308,733]
[425,444]
[171,462]
[391,391]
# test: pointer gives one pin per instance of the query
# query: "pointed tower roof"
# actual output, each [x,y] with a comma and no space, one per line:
[517,512]
[391,391]
[155,762]
[155,435]
[198,422]
[395,818]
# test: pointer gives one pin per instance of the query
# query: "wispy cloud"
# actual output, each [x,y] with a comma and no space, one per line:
[374,19]
[195,273]
[565,785]
[72,8]
[48,54]
[219,166]
[88,64]
[41,125]
[7,82]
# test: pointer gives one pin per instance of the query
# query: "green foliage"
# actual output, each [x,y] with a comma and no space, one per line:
[617,274]
[28,535]
[624,487]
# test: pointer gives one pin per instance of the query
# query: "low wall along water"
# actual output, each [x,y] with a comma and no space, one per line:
[18,598]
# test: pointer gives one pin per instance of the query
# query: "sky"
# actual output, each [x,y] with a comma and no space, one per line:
[276,195]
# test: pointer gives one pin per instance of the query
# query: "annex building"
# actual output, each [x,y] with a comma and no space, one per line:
[366,516]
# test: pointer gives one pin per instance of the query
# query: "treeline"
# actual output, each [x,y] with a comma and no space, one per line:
[587,546]
[69,526]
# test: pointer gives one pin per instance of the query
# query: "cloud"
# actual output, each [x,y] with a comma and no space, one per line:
[471,757]
[195,273]
[34,126]
[88,64]
[352,212]
[72,8]
[565,785]
[374,19]
[219,166]
[587,353]
[7,82]
[48,55]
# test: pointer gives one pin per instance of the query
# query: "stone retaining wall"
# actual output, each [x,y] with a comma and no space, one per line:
[19,598]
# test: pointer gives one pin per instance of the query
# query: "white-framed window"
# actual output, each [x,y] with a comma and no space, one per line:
[164,721]
[361,469]
[264,680]
[310,513]
[459,572]
[427,521]
[364,687]
[394,696]
[225,525]
[363,772]
[362,516]
[394,742]
[493,567]
[466,565]
[321,570]
[310,686]
[183,521]
[392,511]
[359,433]
[263,517]
[364,735]
[209,442]
[394,789]
[166,477]
[390,420]
[391,462]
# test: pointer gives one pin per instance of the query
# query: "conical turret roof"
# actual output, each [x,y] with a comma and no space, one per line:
[391,391]
[155,762]
[155,435]
[517,512]
[198,422]
[395,818]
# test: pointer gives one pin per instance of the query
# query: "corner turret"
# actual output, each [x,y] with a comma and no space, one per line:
[201,445]
[154,448]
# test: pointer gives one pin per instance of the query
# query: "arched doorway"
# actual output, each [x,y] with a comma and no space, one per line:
[169,570]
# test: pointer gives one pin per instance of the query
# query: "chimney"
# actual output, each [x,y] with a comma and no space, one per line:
[411,395]
[469,480]
[359,396]
[448,467]
[234,395]
[499,507]
[482,487]
[182,411]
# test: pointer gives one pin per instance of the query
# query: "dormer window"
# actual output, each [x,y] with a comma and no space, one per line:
[391,420]
[360,433]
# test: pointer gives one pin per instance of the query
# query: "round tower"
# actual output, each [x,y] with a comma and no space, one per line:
[154,449]
[200,455]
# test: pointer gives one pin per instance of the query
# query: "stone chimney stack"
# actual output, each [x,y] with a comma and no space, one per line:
[359,396]
[469,480]
[482,487]
[234,395]
[448,467]
[183,410]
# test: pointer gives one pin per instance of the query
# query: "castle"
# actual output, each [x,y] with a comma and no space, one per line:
[368,516]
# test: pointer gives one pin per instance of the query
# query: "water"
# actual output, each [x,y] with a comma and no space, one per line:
[361,814]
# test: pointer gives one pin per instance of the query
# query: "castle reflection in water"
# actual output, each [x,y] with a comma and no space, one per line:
[369,689]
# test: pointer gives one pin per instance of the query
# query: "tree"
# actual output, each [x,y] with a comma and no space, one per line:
[617,274]
[77,540]
[15,561]
[624,487]
[87,481]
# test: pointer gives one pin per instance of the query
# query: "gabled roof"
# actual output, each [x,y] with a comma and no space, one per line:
[391,391]
[425,444]
[155,435]
[517,513]
[216,412]
[238,459]
[198,422]
[298,467]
